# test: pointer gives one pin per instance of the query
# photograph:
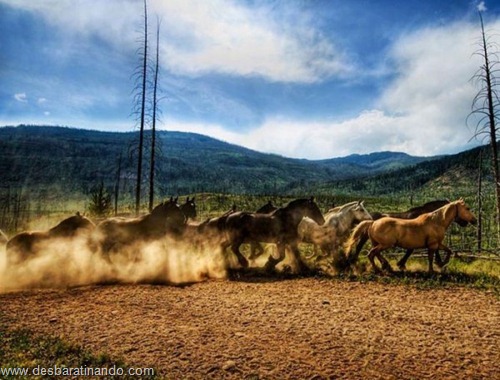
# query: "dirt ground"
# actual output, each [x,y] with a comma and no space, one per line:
[308,328]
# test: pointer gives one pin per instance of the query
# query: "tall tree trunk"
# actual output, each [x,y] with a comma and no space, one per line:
[143,113]
[117,183]
[492,124]
[153,131]
[480,203]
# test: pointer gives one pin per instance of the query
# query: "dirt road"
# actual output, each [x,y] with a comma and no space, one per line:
[275,329]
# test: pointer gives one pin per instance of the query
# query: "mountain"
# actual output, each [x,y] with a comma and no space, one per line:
[57,161]
[379,161]
[452,175]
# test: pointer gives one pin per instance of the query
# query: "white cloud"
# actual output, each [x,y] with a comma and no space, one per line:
[41,100]
[481,7]
[224,36]
[371,131]
[422,111]
[21,97]
[198,37]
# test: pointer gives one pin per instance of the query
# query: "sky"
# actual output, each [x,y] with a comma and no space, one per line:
[310,79]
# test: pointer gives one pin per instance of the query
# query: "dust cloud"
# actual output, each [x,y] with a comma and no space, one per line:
[67,262]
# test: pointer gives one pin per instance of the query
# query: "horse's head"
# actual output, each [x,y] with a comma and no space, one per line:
[312,210]
[464,216]
[189,208]
[171,213]
[359,212]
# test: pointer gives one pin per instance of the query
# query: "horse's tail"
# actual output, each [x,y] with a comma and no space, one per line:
[3,238]
[359,234]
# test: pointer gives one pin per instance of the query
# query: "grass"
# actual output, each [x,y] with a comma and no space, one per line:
[478,274]
[22,349]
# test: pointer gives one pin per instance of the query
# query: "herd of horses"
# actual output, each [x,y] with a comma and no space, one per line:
[339,234]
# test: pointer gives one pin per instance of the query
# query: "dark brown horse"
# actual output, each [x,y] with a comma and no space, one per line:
[425,231]
[115,233]
[256,248]
[189,208]
[209,230]
[25,244]
[412,213]
[279,227]
[217,225]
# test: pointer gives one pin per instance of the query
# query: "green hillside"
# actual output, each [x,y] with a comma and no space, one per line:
[57,161]
[447,175]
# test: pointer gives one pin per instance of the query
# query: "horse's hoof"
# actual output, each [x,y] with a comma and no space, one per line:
[388,268]
[243,262]
[270,266]
[402,267]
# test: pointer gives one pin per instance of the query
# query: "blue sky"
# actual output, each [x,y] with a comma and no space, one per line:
[308,79]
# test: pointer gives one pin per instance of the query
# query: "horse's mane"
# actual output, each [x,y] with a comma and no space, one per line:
[440,202]
[297,202]
[342,208]
[285,210]
[267,208]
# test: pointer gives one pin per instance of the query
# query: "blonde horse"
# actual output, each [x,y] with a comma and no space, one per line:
[426,231]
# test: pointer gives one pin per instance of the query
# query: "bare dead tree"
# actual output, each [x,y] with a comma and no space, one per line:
[480,203]
[117,182]
[486,102]
[153,129]
[142,112]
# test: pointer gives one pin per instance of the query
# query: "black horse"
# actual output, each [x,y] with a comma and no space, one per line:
[279,227]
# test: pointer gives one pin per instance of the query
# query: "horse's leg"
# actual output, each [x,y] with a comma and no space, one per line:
[296,254]
[235,247]
[385,264]
[272,262]
[430,254]
[359,247]
[371,256]
[439,261]
[402,263]
[255,250]
[447,258]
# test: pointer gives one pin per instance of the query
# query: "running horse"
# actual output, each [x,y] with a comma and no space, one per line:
[426,231]
[412,213]
[26,244]
[115,233]
[279,227]
[256,248]
[189,208]
[339,221]
[208,232]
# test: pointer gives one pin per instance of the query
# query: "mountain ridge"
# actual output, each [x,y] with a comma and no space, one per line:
[44,156]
